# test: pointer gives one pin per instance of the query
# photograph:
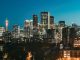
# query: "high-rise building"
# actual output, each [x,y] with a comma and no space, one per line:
[35,32]
[1,38]
[7,36]
[72,35]
[28,23]
[45,20]
[1,31]
[31,28]
[74,25]
[28,27]
[68,36]
[51,19]
[31,24]
[51,22]
[35,21]
[16,31]
[65,36]
[62,23]
[6,22]
[21,32]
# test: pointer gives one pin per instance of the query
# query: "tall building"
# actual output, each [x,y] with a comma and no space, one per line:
[21,32]
[45,20]
[35,33]
[51,19]
[1,40]
[74,25]
[1,31]
[16,31]
[51,22]
[31,24]
[6,22]
[72,35]
[28,23]
[68,36]
[65,36]
[31,28]
[35,21]
[62,23]
[28,26]
[7,36]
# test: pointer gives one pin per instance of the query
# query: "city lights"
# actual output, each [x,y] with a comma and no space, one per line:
[40,40]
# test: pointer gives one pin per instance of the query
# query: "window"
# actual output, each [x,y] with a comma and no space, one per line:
[66,53]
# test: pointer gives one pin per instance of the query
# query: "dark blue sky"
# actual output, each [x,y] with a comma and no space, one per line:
[18,10]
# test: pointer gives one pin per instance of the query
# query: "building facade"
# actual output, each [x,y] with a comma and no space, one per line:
[16,31]
[35,21]
[28,27]
[45,20]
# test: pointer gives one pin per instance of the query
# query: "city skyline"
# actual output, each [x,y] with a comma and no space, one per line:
[18,11]
[39,29]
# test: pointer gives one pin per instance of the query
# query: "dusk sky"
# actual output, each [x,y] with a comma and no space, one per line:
[17,11]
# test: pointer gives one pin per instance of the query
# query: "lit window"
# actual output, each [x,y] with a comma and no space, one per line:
[66,53]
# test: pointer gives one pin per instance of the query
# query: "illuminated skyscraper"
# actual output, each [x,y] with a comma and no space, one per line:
[60,27]
[45,20]
[28,26]
[1,31]
[16,31]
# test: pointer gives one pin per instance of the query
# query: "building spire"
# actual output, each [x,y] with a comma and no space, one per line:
[6,23]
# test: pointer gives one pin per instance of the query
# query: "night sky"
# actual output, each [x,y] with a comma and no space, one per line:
[17,11]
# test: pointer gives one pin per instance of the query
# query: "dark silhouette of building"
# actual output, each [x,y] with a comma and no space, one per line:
[72,36]
[51,22]
[65,36]
[62,23]
[51,19]
[50,33]
[35,20]
[7,36]
[68,36]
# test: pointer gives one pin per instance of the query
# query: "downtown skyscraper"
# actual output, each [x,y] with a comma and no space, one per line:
[45,20]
